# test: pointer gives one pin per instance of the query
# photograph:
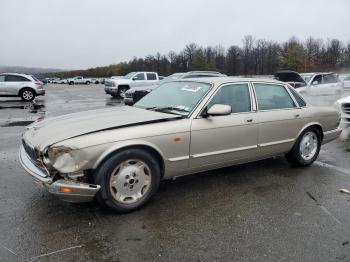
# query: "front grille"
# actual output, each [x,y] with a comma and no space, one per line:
[138,95]
[30,151]
[346,108]
[108,83]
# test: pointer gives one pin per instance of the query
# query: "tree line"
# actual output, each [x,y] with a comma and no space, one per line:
[253,57]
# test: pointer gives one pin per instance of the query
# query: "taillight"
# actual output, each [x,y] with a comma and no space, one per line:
[38,83]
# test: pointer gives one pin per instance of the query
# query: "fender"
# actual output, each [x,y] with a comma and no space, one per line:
[308,125]
[124,144]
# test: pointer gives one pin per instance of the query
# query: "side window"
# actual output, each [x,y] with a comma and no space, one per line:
[139,76]
[235,95]
[270,96]
[151,76]
[2,78]
[297,97]
[15,78]
[318,79]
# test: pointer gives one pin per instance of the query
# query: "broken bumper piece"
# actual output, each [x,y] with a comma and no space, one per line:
[66,190]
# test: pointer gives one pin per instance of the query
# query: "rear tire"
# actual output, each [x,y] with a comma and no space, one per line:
[306,148]
[27,94]
[71,83]
[128,180]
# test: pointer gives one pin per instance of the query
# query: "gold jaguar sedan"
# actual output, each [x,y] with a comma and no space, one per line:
[119,155]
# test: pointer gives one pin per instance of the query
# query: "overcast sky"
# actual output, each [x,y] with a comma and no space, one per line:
[74,34]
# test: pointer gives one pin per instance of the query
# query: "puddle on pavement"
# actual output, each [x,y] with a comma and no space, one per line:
[35,107]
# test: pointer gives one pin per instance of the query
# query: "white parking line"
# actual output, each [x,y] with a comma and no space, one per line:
[339,169]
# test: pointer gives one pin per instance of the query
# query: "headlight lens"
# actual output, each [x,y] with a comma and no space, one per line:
[64,160]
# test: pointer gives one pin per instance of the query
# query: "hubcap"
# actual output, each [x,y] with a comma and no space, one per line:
[130,181]
[27,95]
[308,145]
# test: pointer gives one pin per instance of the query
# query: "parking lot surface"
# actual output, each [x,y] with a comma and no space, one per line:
[262,211]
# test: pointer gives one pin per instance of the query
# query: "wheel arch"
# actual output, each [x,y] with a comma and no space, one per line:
[124,85]
[312,124]
[153,150]
[26,87]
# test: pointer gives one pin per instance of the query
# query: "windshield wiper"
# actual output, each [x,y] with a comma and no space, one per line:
[167,109]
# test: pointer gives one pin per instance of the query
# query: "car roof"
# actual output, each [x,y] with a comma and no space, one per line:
[15,74]
[222,80]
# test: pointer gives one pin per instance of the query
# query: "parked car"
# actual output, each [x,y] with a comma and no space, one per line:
[312,83]
[322,84]
[346,82]
[24,86]
[135,94]
[62,81]
[343,106]
[79,80]
[119,155]
[117,87]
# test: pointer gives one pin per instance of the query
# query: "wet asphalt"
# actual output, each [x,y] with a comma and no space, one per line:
[262,211]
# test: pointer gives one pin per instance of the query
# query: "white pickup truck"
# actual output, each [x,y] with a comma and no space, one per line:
[117,87]
[79,80]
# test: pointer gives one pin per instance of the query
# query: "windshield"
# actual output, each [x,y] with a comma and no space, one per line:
[174,97]
[129,76]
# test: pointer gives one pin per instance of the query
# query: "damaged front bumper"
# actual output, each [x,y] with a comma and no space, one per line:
[66,190]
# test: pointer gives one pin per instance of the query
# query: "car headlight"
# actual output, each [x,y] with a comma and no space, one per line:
[66,160]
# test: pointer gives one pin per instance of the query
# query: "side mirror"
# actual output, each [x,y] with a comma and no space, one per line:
[315,83]
[134,78]
[219,110]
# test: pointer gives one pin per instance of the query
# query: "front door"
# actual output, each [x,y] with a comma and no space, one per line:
[220,140]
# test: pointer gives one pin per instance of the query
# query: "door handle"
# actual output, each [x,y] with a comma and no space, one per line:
[249,120]
[297,115]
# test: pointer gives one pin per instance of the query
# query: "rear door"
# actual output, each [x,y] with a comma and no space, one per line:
[280,119]
[218,140]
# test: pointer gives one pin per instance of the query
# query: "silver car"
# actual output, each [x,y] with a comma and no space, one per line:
[120,155]
[25,86]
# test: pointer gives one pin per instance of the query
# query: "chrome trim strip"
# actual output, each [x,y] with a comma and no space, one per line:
[332,131]
[224,151]
[31,168]
[180,158]
[276,142]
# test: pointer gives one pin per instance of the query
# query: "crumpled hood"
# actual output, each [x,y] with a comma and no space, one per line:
[53,130]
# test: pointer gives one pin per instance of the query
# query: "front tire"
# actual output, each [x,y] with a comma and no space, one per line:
[306,149]
[128,180]
[27,95]
[121,92]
